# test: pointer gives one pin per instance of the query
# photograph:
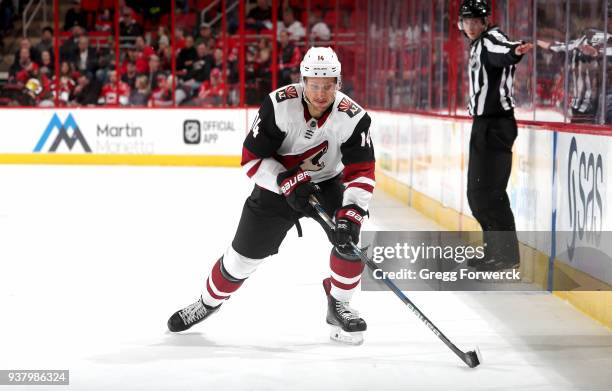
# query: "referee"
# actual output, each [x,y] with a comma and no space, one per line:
[491,75]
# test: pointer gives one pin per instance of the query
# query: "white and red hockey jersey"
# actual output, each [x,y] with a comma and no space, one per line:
[284,135]
[115,95]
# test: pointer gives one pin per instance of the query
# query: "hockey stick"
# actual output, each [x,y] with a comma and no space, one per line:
[472,358]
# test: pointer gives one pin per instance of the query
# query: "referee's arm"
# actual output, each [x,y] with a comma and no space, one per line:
[501,53]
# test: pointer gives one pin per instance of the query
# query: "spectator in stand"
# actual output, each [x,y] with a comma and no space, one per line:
[75,16]
[289,59]
[218,59]
[38,87]
[154,72]
[260,16]
[25,43]
[293,27]
[141,46]
[180,93]
[142,53]
[142,65]
[86,91]
[106,60]
[104,21]
[164,52]
[283,5]
[204,35]
[70,47]
[185,58]
[250,76]
[162,31]
[22,62]
[115,92]
[130,75]
[179,39]
[46,64]
[86,59]
[319,32]
[67,82]
[233,77]
[32,70]
[202,65]
[295,75]
[213,92]
[264,43]
[140,94]
[46,42]
[233,63]
[162,95]
[128,27]
[264,73]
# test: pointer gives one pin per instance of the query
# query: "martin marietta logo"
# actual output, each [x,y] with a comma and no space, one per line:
[62,135]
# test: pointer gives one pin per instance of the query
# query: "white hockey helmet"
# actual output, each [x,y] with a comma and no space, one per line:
[321,62]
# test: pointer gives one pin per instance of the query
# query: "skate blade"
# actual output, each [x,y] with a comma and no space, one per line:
[338,335]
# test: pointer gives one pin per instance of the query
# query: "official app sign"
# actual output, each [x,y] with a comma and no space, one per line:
[192,131]
[207,131]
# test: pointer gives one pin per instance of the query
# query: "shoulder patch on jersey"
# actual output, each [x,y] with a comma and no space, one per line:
[349,107]
[287,93]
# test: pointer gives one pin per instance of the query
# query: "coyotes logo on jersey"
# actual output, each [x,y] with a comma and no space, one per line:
[288,93]
[310,160]
[349,107]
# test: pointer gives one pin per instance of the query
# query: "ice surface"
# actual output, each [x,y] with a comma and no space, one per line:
[93,260]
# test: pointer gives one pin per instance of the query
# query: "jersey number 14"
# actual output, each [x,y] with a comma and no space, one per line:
[255,127]
[365,138]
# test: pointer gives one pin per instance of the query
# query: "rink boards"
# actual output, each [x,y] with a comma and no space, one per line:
[123,136]
[558,183]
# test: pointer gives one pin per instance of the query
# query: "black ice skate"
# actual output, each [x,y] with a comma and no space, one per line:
[346,325]
[195,313]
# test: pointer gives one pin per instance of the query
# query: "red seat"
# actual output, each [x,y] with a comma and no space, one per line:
[330,18]
[90,5]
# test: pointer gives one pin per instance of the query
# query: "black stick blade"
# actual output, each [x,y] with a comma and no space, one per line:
[473,358]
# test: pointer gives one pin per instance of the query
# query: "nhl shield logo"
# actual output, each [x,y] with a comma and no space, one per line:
[349,107]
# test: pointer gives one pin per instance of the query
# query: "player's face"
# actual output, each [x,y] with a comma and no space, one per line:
[473,27]
[320,91]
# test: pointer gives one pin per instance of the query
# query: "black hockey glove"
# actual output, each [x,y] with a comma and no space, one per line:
[348,225]
[296,186]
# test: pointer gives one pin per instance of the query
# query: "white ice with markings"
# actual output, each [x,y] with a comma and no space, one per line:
[93,261]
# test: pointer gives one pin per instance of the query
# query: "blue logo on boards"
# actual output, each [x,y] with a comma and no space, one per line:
[62,135]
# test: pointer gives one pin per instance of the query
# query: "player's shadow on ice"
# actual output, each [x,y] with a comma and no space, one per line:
[196,346]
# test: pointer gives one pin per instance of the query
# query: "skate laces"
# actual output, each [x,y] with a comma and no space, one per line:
[193,312]
[345,311]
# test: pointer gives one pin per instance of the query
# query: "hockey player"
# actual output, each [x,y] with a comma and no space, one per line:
[491,75]
[307,139]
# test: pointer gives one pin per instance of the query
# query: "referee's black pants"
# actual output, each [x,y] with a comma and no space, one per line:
[490,163]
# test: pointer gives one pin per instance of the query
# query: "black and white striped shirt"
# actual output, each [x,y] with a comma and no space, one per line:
[491,70]
[585,70]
